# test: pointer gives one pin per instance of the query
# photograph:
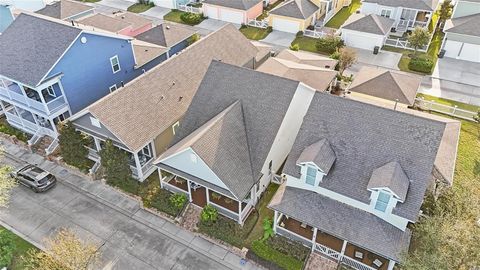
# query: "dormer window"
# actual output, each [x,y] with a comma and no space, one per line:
[382,201]
[311,176]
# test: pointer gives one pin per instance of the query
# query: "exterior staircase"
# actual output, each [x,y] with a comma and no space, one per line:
[40,144]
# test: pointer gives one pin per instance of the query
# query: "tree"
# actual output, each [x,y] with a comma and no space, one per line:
[7,183]
[72,145]
[445,11]
[7,247]
[115,164]
[194,38]
[65,251]
[346,58]
[209,214]
[419,38]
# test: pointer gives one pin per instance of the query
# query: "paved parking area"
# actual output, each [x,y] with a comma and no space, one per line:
[463,72]
[384,59]
[156,12]
[212,25]
[279,38]
[119,4]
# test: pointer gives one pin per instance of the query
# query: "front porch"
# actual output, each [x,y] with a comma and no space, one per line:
[330,246]
[201,195]
[412,18]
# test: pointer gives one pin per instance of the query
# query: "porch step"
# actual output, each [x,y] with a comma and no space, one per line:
[41,145]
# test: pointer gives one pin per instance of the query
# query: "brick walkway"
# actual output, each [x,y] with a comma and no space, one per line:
[319,262]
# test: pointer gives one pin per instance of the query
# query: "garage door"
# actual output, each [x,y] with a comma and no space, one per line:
[231,16]
[212,13]
[452,48]
[359,40]
[285,25]
[470,52]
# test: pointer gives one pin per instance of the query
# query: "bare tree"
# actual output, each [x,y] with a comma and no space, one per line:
[346,58]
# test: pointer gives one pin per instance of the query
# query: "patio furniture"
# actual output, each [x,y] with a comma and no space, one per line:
[358,255]
[377,263]
[303,225]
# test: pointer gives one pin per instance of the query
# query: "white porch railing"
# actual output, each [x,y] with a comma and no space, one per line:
[445,109]
[173,188]
[342,258]
[403,44]
[52,147]
[56,104]
[259,24]
[224,211]
[277,179]
[314,34]
[190,9]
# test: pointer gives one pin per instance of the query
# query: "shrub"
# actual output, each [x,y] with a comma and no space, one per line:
[162,201]
[178,200]
[421,64]
[267,229]
[329,44]
[72,146]
[9,130]
[289,247]
[269,29]
[335,55]
[7,247]
[116,167]
[209,214]
[299,34]
[191,18]
[266,252]
[295,47]
[243,26]
[194,38]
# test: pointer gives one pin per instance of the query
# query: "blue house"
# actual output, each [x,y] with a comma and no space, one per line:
[6,17]
[51,70]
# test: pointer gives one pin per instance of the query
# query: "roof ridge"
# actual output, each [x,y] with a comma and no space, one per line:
[248,142]
[397,82]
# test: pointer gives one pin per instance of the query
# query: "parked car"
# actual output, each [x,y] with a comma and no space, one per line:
[35,178]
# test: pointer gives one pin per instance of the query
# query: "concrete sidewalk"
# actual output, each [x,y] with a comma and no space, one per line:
[128,236]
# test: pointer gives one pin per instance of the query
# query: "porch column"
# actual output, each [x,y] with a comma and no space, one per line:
[43,102]
[240,213]
[391,264]
[207,191]
[53,126]
[190,192]
[97,144]
[64,97]
[138,166]
[275,220]
[344,246]
[23,93]
[314,238]
[160,177]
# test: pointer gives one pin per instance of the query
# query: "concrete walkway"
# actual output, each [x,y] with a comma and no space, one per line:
[279,39]
[383,59]
[128,236]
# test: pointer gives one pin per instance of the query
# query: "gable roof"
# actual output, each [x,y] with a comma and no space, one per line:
[145,52]
[64,9]
[237,4]
[166,34]
[467,25]
[264,99]
[318,78]
[300,9]
[36,43]
[306,58]
[320,153]
[372,23]
[391,176]
[153,102]
[387,84]
[373,135]
[223,145]
[428,5]
[105,22]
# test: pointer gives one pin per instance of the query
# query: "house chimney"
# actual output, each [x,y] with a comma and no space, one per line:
[180,98]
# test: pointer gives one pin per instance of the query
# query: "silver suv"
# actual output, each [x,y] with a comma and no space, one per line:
[35,178]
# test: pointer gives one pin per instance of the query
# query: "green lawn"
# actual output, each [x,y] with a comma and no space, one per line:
[21,248]
[341,16]
[306,44]
[174,16]
[139,8]
[452,103]
[254,33]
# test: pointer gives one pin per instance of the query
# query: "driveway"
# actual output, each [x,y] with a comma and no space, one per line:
[279,38]
[128,236]
[212,25]
[117,4]
[156,12]
[459,71]
[384,59]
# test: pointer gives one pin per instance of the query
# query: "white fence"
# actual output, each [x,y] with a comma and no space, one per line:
[444,109]
[259,24]
[314,34]
[342,258]
[190,9]
[276,179]
[404,44]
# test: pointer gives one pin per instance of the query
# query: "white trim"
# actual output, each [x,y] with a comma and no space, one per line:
[174,126]
[113,88]
[118,63]
[51,91]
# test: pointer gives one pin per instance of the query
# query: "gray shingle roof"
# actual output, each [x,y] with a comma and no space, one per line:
[342,221]
[468,25]
[387,84]
[428,5]
[372,23]
[373,135]
[236,4]
[301,9]
[265,100]
[30,47]
[392,176]
[64,9]
[320,153]
[166,34]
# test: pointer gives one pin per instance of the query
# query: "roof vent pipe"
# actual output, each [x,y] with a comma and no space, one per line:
[122,83]
[396,102]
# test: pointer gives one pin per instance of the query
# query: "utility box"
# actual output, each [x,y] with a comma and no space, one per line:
[376,49]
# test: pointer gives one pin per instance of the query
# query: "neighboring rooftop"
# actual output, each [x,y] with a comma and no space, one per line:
[256,114]
[387,84]
[316,77]
[372,23]
[145,52]
[105,22]
[375,136]
[166,34]
[468,25]
[153,102]
[237,4]
[264,50]
[300,9]
[307,58]
[428,5]
[49,39]
[135,20]
[64,9]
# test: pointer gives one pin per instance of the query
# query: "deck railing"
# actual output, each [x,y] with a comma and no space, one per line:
[314,34]
[404,44]
[190,9]
[259,24]
[342,258]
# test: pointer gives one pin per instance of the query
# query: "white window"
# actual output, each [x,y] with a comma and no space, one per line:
[113,88]
[95,122]
[146,151]
[386,13]
[50,91]
[115,64]
[174,127]
[382,201]
[311,176]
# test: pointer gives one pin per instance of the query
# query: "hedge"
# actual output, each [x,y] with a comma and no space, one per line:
[191,18]
[268,253]
[329,44]
[420,64]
